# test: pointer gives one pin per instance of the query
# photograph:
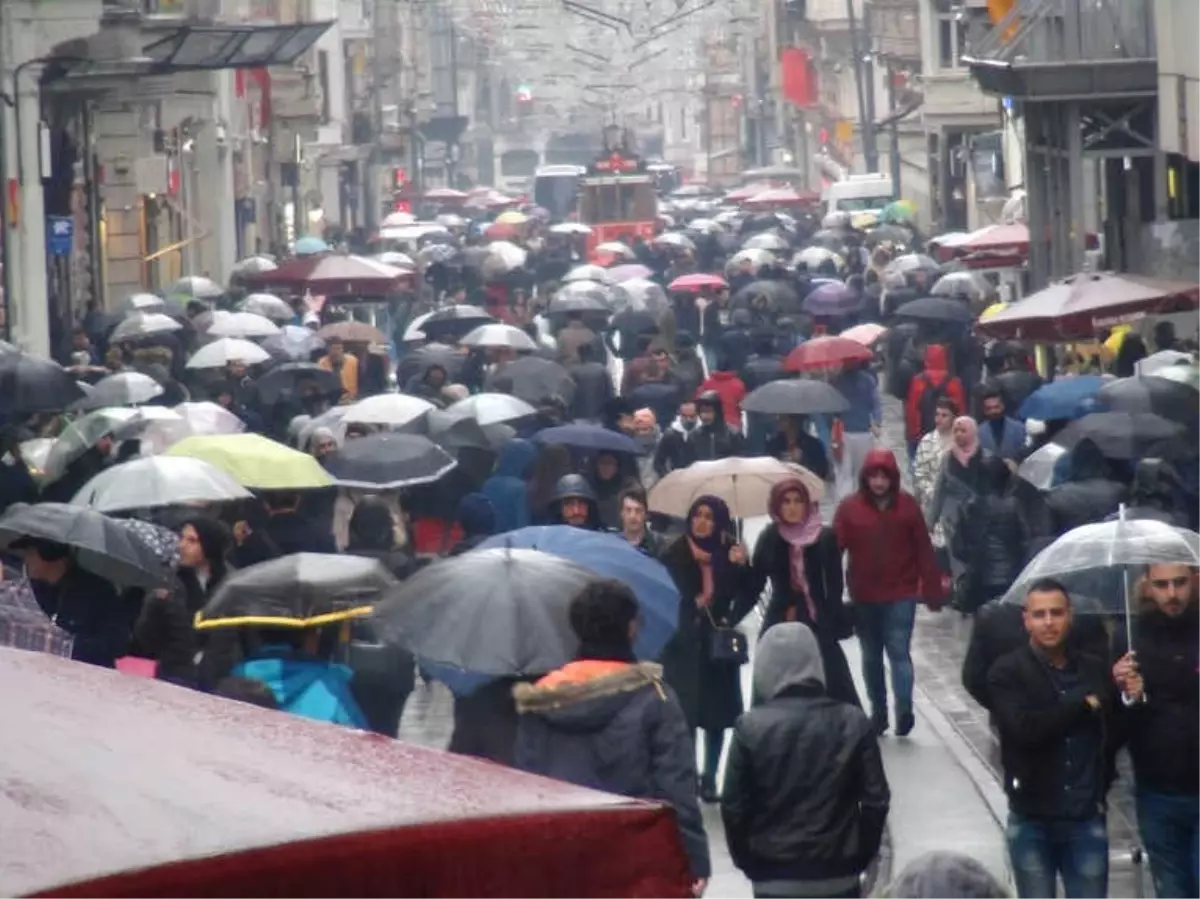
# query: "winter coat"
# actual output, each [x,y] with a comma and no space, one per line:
[305,686]
[715,441]
[98,618]
[281,535]
[164,632]
[760,370]
[1088,496]
[890,555]
[805,794]
[343,511]
[956,485]
[1012,438]
[991,540]
[936,375]
[675,449]
[823,571]
[709,691]
[619,728]
[927,466]
[485,722]
[593,390]
[689,370]
[812,453]
[729,387]
[508,489]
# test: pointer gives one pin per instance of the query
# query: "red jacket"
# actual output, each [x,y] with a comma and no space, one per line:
[937,372]
[732,391]
[891,556]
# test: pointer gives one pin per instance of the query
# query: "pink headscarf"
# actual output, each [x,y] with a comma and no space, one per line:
[964,455]
[798,536]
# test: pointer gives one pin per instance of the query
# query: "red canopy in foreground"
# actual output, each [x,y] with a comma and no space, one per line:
[332,274]
[120,786]
[1080,306]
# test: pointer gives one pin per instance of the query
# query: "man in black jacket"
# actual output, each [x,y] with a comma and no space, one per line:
[1161,699]
[805,798]
[1054,710]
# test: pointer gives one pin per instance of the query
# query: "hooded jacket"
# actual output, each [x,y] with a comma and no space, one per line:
[729,387]
[805,797]
[616,727]
[305,686]
[508,488]
[477,518]
[936,374]
[891,556]
[576,486]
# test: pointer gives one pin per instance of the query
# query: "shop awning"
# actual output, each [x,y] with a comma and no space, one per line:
[210,47]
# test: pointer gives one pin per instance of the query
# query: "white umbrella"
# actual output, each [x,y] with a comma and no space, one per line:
[192,420]
[1156,362]
[502,257]
[588,273]
[143,302]
[675,239]
[391,410]
[492,408]
[398,219]
[615,248]
[221,352]
[157,481]
[499,335]
[744,484]
[413,333]
[242,324]
[126,388]
[140,324]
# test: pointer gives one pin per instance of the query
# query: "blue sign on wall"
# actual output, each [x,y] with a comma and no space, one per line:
[60,234]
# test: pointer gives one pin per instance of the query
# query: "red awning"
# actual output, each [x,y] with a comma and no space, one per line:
[332,274]
[1080,306]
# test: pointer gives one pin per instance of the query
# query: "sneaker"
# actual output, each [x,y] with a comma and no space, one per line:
[880,720]
[905,722]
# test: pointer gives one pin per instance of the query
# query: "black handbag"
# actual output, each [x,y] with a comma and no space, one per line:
[727,645]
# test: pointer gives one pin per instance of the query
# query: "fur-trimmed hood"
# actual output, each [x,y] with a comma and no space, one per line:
[585,695]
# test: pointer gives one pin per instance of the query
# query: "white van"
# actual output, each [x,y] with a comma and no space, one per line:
[860,193]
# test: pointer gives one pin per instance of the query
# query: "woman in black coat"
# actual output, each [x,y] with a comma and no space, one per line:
[711,570]
[991,539]
[803,563]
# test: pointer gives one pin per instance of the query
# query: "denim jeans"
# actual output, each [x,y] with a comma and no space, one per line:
[1170,828]
[1042,849]
[887,626]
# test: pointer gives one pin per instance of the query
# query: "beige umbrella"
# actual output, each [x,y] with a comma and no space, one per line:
[744,484]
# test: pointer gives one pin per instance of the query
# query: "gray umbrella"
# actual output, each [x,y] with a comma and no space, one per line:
[499,612]
[99,544]
[796,397]
[139,324]
[268,306]
[127,388]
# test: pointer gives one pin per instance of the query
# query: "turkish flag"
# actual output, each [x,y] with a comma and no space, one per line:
[799,77]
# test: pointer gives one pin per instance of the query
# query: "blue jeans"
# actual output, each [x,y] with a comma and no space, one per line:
[1040,850]
[1170,828]
[887,626]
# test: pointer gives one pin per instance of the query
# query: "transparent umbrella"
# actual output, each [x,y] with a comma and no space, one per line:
[268,306]
[588,273]
[142,302]
[221,352]
[242,324]
[127,388]
[139,324]
[1038,466]
[157,481]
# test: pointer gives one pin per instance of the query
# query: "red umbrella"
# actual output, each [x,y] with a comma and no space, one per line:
[502,231]
[445,193]
[741,194]
[1009,239]
[826,352]
[123,786]
[698,281]
[334,275]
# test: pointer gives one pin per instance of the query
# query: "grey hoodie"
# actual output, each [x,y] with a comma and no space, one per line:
[787,656]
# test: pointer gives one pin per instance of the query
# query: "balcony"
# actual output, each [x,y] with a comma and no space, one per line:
[1069,50]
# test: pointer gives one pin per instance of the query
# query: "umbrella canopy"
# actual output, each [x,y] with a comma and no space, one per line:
[387,461]
[766,240]
[587,273]
[192,419]
[777,293]
[937,309]
[221,352]
[296,380]
[632,272]
[532,379]
[1081,558]
[818,259]
[195,287]
[612,251]
[795,397]
[826,352]
[352,332]
[1156,363]
[1172,400]
[392,410]
[294,342]
[253,265]
[832,300]
[142,302]
[298,590]
[570,228]
[501,258]
[30,384]
[142,324]
[81,435]
[588,438]
[1038,467]
[967,285]
[242,324]
[744,484]
[610,556]
[127,388]
[674,240]
[452,432]
[396,259]
[310,246]
[492,408]
[98,544]
[334,274]
[749,260]
[1127,435]
[1064,398]
[696,282]
[256,462]
[156,481]
[866,334]
[497,612]
[451,323]
[579,296]
[269,307]
[640,295]
[445,193]
[499,335]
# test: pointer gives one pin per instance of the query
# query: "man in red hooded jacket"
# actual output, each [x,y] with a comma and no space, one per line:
[891,564]
[925,389]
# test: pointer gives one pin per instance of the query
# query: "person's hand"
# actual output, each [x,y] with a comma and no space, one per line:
[699,886]
[738,555]
[1124,667]
[1133,687]
[1093,702]
[241,531]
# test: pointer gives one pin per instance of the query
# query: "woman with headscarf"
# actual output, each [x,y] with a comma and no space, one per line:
[960,479]
[801,560]
[711,570]
[553,462]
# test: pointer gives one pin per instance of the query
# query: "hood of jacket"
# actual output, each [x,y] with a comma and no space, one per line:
[723,376]
[574,485]
[935,358]
[516,458]
[678,426]
[787,656]
[1088,462]
[584,696]
[874,460]
[477,515]
[304,686]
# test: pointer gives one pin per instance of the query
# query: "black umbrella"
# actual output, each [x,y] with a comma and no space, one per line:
[388,461]
[98,544]
[450,432]
[31,384]
[453,322]
[777,293]
[1170,399]
[295,379]
[796,397]
[418,362]
[1127,435]
[532,379]
[298,590]
[579,301]
[936,309]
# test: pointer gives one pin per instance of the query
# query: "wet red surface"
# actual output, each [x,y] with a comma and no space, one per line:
[101,773]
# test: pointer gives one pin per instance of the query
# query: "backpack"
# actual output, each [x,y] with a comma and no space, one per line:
[927,404]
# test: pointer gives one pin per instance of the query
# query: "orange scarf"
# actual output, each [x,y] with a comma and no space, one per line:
[704,560]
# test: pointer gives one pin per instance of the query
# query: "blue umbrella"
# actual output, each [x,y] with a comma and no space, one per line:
[614,557]
[1066,398]
[310,246]
[832,299]
[590,438]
